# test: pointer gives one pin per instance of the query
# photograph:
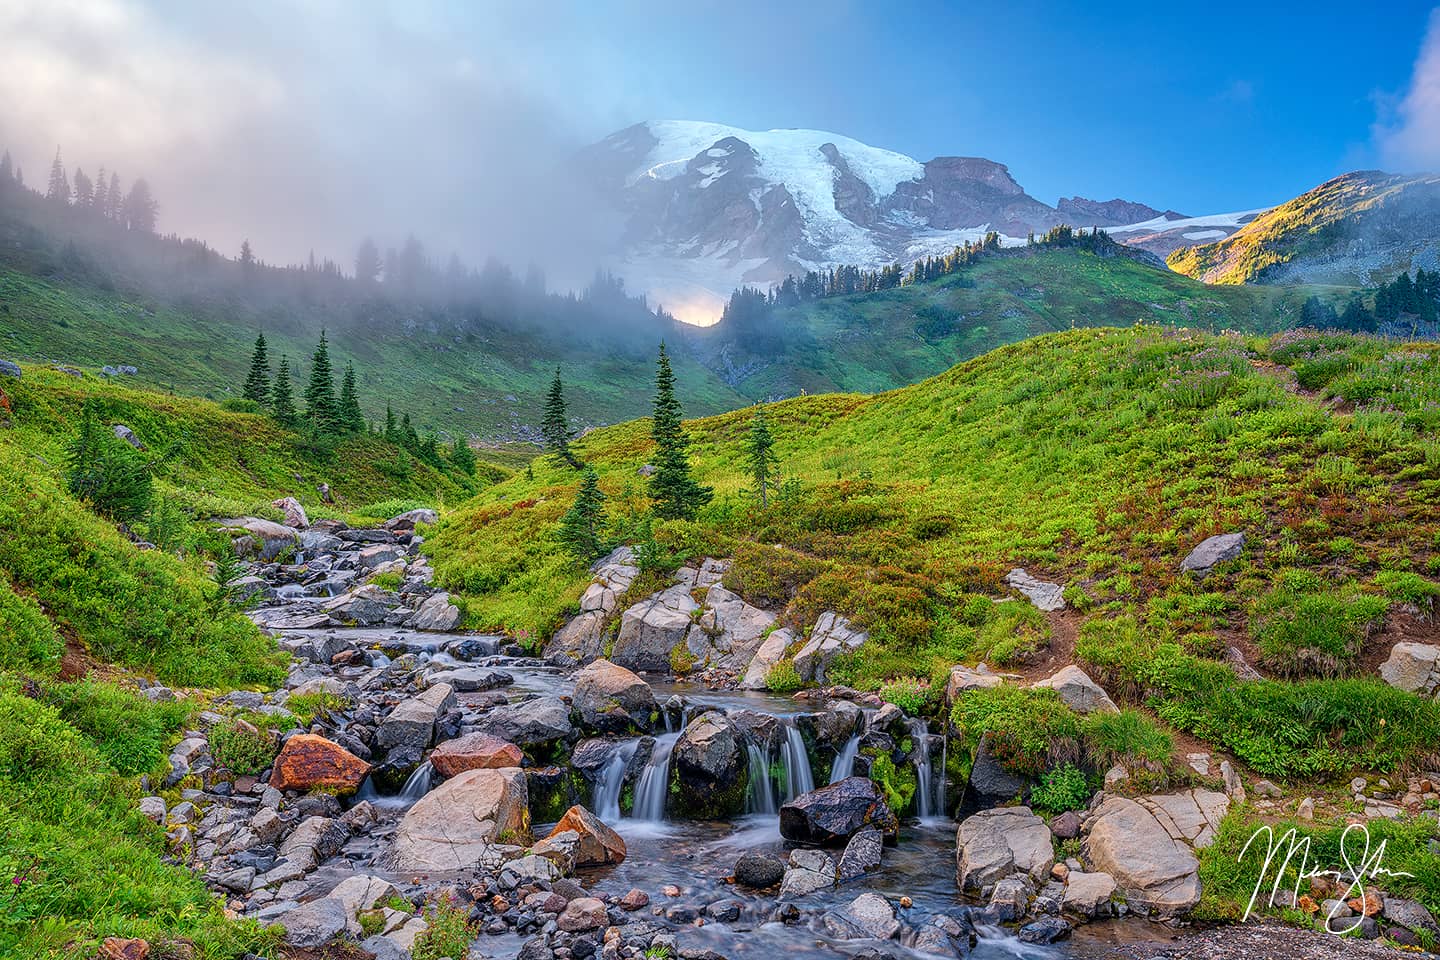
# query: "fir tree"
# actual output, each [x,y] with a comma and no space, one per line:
[583,525]
[257,384]
[84,189]
[282,400]
[760,455]
[676,494]
[555,427]
[7,170]
[321,408]
[463,457]
[247,257]
[112,208]
[59,189]
[367,262]
[352,418]
[392,429]
[140,209]
[101,202]
[408,437]
[107,473]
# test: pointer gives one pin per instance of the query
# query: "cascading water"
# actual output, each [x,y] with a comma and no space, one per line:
[844,764]
[418,783]
[612,782]
[924,783]
[940,779]
[650,792]
[798,778]
[760,794]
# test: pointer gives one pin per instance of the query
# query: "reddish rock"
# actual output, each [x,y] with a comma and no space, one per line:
[309,761]
[119,948]
[583,914]
[599,844]
[1370,905]
[636,899]
[474,751]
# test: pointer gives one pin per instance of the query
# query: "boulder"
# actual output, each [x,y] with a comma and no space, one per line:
[942,935]
[1212,551]
[1044,930]
[709,764]
[412,723]
[990,784]
[452,826]
[410,519]
[471,679]
[374,555]
[862,854]
[1044,595]
[293,511]
[1409,914]
[770,652]
[1413,667]
[367,605]
[267,538]
[530,724]
[437,613]
[1079,692]
[360,893]
[609,697]
[809,871]
[598,844]
[1088,894]
[308,761]
[650,629]
[833,814]
[583,914]
[994,844]
[831,636]
[729,632]
[759,871]
[867,917]
[1156,872]
[580,640]
[123,432]
[11,370]
[474,751]
[314,924]
[964,679]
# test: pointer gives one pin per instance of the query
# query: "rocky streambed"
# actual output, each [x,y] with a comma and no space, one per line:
[572,808]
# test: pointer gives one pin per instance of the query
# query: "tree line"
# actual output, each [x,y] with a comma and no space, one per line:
[133,209]
[1404,300]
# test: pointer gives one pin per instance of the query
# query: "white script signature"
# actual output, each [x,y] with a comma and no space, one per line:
[1293,845]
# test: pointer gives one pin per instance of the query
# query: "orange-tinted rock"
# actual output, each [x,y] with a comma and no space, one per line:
[599,844]
[119,948]
[474,751]
[1370,906]
[309,761]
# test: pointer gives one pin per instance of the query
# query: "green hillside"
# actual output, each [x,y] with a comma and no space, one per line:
[1357,229]
[1093,458]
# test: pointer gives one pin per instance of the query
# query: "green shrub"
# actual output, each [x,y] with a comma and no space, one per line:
[1064,788]
[682,661]
[770,576]
[128,730]
[241,747]
[448,933]
[1028,731]
[1406,587]
[307,706]
[241,405]
[391,581]
[107,472]
[28,640]
[911,694]
[1132,740]
[783,678]
[1302,628]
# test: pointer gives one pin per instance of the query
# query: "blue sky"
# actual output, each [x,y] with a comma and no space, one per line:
[307,124]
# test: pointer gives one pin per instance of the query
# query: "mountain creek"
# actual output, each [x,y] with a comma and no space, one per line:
[574,808]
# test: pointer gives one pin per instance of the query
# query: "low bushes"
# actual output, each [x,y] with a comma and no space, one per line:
[1303,628]
[241,747]
[1029,731]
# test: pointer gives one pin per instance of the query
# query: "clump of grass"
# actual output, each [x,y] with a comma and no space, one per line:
[1134,741]
[389,580]
[307,706]
[448,933]
[783,677]
[914,695]
[1028,731]
[1304,627]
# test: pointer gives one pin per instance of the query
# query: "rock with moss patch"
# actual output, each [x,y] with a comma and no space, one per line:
[709,769]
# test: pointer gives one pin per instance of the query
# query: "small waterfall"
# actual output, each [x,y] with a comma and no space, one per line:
[289,592]
[924,783]
[760,794]
[654,785]
[418,783]
[612,782]
[942,778]
[798,778]
[844,764]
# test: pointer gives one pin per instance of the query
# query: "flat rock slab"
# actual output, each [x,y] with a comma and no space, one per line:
[1212,551]
[1043,594]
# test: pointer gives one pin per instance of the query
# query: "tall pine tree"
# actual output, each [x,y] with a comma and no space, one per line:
[321,407]
[463,457]
[583,525]
[760,456]
[676,494]
[282,399]
[392,429]
[257,384]
[352,418]
[59,189]
[555,427]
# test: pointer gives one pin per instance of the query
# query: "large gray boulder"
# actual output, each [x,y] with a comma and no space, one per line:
[609,697]
[729,631]
[530,724]
[453,826]
[997,843]
[867,917]
[963,679]
[652,628]
[265,538]
[710,767]
[436,613]
[1043,594]
[770,652]
[808,871]
[832,636]
[581,640]
[314,924]
[1212,551]
[990,784]
[1413,667]
[1079,692]
[1146,846]
[11,370]
[368,605]
[412,722]
[831,815]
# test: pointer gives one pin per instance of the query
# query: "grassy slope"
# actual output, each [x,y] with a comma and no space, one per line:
[1394,215]
[70,750]
[883,340]
[1097,458]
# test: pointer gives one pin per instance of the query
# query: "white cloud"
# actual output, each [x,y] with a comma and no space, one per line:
[1411,140]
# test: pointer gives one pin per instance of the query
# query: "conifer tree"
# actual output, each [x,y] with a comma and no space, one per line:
[257,384]
[100,202]
[352,418]
[582,527]
[408,437]
[112,209]
[7,172]
[367,262]
[59,189]
[139,209]
[321,408]
[760,455]
[84,189]
[463,457]
[282,400]
[392,430]
[676,494]
[555,427]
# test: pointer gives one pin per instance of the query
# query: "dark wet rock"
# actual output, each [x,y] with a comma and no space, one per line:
[759,871]
[725,911]
[1044,930]
[867,917]
[709,764]
[390,774]
[832,814]
[1066,826]
[533,723]
[942,936]
[861,855]
[990,784]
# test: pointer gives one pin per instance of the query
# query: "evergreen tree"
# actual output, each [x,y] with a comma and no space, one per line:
[555,427]
[463,457]
[100,202]
[106,472]
[282,400]
[582,527]
[7,172]
[367,262]
[84,189]
[760,455]
[352,418]
[112,208]
[392,429]
[140,209]
[59,189]
[408,437]
[676,494]
[429,451]
[247,257]
[257,384]
[321,408]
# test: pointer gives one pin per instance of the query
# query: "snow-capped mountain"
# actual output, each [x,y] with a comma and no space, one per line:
[708,207]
